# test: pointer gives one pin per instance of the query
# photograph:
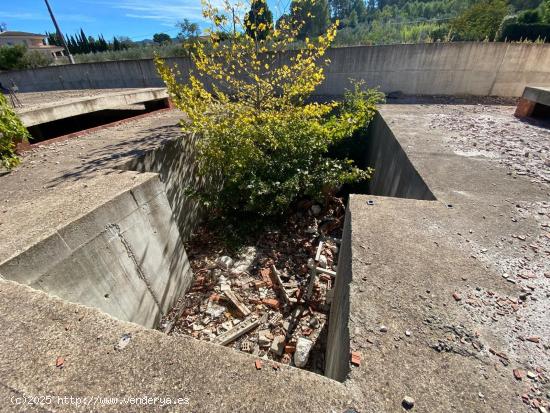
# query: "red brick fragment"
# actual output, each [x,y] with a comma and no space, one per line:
[271,302]
[266,277]
[290,348]
[519,374]
[355,358]
[59,361]
[258,364]
[457,296]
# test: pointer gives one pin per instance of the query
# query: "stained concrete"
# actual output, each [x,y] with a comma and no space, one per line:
[540,95]
[94,234]
[46,108]
[403,261]
[37,328]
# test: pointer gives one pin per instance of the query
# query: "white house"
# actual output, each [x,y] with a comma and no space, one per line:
[32,41]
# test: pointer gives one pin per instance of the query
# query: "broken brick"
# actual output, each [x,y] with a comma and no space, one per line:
[355,358]
[457,296]
[271,302]
[59,361]
[266,277]
[258,364]
[259,284]
[290,348]
[519,374]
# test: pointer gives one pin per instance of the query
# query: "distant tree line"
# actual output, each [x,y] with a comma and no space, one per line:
[79,43]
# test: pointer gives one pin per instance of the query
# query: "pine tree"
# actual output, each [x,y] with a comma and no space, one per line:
[315,14]
[340,8]
[259,20]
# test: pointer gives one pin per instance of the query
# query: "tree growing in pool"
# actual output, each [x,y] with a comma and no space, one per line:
[262,141]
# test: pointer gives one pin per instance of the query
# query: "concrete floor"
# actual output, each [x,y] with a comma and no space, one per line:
[58,182]
[409,258]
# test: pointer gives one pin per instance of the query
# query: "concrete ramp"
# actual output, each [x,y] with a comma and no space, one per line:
[44,108]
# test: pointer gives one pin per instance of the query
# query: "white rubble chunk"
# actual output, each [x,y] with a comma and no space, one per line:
[303,348]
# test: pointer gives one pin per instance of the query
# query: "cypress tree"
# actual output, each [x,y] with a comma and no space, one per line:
[259,20]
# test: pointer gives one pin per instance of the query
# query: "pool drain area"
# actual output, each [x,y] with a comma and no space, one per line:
[143,272]
[270,299]
[285,297]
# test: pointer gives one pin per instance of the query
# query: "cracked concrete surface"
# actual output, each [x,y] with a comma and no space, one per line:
[433,276]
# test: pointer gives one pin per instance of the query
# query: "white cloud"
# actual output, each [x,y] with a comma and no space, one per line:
[166,11]
[45,16]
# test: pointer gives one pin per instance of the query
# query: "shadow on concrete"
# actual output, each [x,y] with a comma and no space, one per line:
[107,159]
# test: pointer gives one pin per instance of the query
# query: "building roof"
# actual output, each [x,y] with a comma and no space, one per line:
[21,34]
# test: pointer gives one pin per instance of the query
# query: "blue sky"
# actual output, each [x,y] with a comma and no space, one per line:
[138,19]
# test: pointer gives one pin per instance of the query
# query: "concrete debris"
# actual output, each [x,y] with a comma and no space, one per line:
[237,303]
[315,209]
[123,342]
[303,348]
[273,300]
[245,261]
[278,345]
[225,262]
[214,310]
[264,338]
[237,331]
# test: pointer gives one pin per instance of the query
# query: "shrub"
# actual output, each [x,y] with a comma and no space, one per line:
[481,21]
[519,31]
[261,142]
[33,59]
[529,16]
[11,57]
[11,131]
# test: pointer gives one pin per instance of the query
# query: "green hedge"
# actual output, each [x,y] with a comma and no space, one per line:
[522,31]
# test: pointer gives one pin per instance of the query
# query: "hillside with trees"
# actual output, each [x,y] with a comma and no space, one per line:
[360,22]
[413,21]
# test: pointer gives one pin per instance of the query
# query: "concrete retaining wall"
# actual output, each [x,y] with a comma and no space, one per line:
[394,176]
[394,173]
[482,69]
[177,169]
[338,347]
[125,258]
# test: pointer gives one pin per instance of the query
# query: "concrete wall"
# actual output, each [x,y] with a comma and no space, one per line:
[394,174]
[338,339]
[499,69]
[177,169]
[125,258]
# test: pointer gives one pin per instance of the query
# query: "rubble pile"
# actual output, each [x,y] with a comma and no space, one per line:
[271,299]
[492,132]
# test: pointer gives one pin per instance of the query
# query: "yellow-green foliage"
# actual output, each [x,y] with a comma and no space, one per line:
[259,137]
[11,131]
